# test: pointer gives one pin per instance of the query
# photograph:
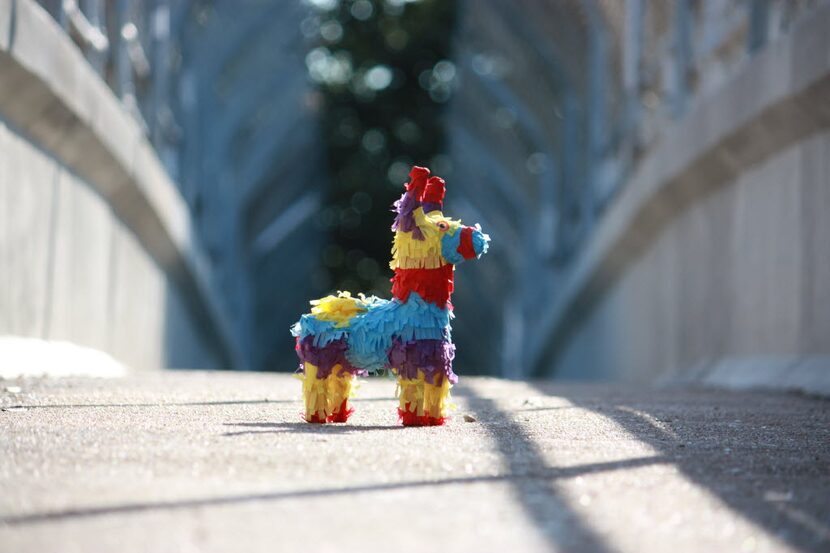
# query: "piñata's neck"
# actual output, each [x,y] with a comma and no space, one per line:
[433,285]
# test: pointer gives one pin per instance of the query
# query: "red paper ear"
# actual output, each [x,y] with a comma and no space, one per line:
[417,180]
[434,192]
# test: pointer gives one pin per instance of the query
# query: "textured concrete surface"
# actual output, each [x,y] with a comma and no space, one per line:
[221,462]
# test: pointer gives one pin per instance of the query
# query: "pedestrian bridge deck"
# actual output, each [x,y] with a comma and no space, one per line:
[183,461]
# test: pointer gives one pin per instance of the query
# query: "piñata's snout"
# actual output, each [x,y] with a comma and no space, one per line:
[466,243]
[481,241]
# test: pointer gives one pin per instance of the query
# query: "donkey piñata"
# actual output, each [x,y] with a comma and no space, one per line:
[344,336]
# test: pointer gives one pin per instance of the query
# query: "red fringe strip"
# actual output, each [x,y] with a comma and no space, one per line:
[316,419]
[465,248]
[417,181]
[342,414]
[433,285]
[434,191]
[410,418]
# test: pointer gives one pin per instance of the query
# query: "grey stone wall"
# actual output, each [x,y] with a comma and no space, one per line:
[713,264]
[96,244]
[734,290]
[72,271]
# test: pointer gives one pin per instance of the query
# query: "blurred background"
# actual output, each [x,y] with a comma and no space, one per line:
[179,177]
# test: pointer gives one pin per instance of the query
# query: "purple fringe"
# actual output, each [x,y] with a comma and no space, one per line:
[405,220]
[326,357]
[430,356]
[432,206]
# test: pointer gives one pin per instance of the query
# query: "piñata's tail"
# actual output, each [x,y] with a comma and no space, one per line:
[339,309]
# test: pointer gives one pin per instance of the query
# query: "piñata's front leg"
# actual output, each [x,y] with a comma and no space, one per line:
[314,394]
[423,400]
[339,385]
[411,408]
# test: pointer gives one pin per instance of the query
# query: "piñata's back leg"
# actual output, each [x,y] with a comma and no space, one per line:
[436,395]
[339,385]
[411,408]
[314,394]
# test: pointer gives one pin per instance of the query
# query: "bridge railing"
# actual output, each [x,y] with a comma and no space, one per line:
[559,103]
[670,55]
[133,47]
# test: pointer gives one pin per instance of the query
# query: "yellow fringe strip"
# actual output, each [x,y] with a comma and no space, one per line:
[324,396]
[314,392]
[339,388]
[411,392]
[408,253]
[432,262]
[437,398]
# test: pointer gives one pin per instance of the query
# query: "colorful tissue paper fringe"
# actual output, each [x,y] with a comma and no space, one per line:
[344,337]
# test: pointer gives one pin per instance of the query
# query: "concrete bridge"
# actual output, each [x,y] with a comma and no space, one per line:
[656,176]
[660,196]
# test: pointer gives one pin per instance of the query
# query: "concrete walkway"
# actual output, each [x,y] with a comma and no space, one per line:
[221,462]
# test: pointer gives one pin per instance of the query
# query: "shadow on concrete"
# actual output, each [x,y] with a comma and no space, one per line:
[304,428]
[12,33]
[543,503]
[527,479]
[763,459]
[181,404]
[535,409]
[165,404]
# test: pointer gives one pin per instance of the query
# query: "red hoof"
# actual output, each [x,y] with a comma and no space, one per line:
[410,418]
[342,414]
[316,419]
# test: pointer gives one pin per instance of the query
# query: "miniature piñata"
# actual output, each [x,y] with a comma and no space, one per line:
[344,336]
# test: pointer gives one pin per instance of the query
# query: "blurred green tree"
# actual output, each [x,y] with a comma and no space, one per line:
[383,69]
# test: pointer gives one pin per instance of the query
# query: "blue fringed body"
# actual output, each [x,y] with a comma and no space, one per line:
[371,334]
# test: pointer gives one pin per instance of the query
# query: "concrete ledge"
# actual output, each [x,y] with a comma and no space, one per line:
[785,372]
[781,97]
[32,358]
[51,94]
